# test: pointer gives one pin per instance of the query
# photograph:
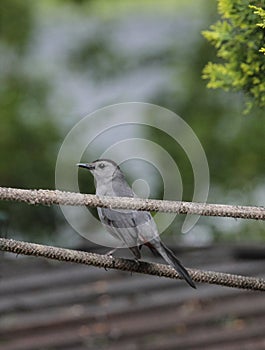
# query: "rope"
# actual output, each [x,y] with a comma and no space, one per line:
[48,197]
[108,262]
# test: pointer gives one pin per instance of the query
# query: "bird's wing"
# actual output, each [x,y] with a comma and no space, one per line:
[130,226]
[122,218]
[127,225]
[147,229]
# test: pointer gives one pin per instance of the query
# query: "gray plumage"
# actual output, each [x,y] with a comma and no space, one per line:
[132,228]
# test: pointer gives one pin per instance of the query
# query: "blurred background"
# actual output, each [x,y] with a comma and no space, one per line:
[61,60]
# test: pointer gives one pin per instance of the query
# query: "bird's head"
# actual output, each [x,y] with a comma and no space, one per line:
[102,169]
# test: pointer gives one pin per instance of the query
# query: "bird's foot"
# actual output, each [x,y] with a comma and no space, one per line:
[111,252]
[137,262]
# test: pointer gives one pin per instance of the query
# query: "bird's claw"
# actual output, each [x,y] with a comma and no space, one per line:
[137,262]
[111,252]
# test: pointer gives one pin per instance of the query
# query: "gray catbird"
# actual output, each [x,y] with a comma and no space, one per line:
[133,228]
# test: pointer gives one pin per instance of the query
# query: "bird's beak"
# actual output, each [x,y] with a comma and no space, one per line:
[86,166]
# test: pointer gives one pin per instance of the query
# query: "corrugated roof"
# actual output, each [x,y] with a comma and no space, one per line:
[52,305]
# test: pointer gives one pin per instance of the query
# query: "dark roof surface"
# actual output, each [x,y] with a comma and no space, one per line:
[50,305]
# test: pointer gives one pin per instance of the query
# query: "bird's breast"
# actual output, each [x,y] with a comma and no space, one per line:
[105,189]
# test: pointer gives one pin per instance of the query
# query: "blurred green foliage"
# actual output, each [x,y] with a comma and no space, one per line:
[98,56]
[28,136]
[16,23]
[238,39]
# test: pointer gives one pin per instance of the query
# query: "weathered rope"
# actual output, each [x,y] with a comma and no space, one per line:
[108,262]
[49,197]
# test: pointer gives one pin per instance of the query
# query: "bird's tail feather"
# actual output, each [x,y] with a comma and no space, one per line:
[171,259]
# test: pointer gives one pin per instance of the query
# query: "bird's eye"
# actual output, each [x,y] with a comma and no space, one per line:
[102,165]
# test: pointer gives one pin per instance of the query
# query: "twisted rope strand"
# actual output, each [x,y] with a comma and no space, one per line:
[80,257]
[49,197]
